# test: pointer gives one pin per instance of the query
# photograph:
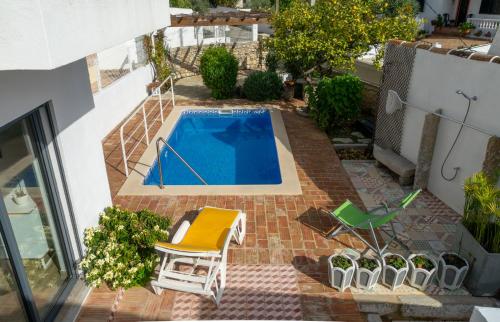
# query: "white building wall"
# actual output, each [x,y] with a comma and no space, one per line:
[440,7]
[434,81]
[47,34]
[75,119]
[474,7]
[116,101]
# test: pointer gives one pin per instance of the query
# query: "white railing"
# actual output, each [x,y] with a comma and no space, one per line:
[485,25]
[142,108]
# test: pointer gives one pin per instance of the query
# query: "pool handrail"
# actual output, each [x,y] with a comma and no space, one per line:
[158,158]
[156,92]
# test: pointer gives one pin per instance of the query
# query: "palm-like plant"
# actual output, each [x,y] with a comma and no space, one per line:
[482,211]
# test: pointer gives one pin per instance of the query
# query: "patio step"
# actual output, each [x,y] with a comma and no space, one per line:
[435,307]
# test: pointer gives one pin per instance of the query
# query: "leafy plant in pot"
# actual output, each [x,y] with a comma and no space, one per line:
[395,269]
[289,89]
[452,269]
[478,237]
[341,270]
[21,197]
[465,28]
[422,269]
[367,272]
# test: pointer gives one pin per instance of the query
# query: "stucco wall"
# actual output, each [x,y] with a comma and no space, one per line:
[68,91]
[435,80]
[474,7]
[440,7]
[47,34]
[114,102]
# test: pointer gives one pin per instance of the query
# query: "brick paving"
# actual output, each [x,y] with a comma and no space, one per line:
[283,232]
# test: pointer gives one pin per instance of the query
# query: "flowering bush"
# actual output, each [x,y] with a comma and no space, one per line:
[120,251]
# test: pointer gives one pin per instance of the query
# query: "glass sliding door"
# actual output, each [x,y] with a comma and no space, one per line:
[28,203]
[11,307]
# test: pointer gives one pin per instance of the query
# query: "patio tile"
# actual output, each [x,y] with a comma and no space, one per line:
[280,270]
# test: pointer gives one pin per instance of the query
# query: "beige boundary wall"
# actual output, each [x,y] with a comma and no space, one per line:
[186,60]
[435,79]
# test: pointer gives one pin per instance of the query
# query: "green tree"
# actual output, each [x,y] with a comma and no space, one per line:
[337,32]
[199,6]
[180,4]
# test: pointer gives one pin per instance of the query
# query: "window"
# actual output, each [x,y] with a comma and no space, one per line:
[491,7]
[421,4]
[36,270]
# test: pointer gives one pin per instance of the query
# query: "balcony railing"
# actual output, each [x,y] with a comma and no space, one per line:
[485,26]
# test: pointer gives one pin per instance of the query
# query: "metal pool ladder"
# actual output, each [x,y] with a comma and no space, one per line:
[158,141]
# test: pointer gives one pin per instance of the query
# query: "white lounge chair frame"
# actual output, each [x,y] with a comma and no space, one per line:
[213,283]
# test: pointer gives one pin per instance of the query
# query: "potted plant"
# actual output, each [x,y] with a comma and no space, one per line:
[341,270]
[465,28]
[289,89]
[394,271]
[367,272]
[20,196]
[422,269]
[452,269]
[438,22]
[478,237]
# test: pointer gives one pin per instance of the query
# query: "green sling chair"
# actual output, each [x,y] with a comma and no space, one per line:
[351,218]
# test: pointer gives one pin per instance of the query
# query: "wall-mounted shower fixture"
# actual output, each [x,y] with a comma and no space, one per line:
[456,169]
[460,92]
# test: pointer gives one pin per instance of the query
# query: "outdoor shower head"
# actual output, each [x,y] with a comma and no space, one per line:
[393,102]
[460,92]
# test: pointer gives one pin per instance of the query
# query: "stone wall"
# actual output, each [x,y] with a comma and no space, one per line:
[369,104]
[186,60]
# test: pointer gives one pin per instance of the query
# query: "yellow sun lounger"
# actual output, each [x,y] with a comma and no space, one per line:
[195,260]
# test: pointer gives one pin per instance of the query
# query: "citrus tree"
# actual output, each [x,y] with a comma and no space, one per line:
[337,32]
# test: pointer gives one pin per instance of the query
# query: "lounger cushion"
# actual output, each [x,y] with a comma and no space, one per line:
[207,232]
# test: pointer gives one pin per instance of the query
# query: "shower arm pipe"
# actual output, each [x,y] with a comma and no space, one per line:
[450,119]
[158,159]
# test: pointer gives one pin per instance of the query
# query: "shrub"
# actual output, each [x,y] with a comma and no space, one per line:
[395,261]
[341,262]
[158,58]
[262,86]
[335,102]
[368,263]
[482,210]
[422,262]
[120,251]
[219,70]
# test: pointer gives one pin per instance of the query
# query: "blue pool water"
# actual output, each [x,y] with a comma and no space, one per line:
[224,149]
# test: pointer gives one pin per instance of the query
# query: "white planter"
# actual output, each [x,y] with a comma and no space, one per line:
[22,200]
[419,277]
[391,276]
[339,278]
[449,276]
[366,279]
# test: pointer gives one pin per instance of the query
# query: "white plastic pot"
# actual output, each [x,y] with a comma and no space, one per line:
[450,276]
[392,277]
[419,277]
[366,279]
[338,277]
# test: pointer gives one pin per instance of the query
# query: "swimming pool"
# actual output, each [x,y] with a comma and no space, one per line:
[225,147]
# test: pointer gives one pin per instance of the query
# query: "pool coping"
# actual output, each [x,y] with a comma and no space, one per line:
[290,185]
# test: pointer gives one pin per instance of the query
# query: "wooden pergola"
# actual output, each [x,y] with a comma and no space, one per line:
[231,18]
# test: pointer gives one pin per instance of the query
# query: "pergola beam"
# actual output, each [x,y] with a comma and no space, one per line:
[225,18]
